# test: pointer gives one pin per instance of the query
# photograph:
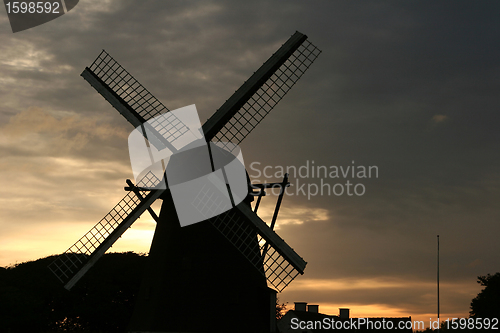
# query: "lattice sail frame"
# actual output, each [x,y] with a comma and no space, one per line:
[267,259]
[120,217]
[268,95]
[126,86]
[134,101]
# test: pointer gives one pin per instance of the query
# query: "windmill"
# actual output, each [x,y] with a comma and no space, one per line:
[211,276]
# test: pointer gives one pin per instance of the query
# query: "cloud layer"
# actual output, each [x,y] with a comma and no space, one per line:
[410,88]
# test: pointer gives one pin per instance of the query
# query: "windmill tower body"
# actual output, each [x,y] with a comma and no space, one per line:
[210,276]
[177,294]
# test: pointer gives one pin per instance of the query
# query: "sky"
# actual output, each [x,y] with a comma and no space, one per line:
[409,88]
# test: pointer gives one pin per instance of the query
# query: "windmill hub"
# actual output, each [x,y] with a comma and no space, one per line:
[206,181]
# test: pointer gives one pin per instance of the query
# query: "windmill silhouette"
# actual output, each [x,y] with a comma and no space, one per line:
[211,276]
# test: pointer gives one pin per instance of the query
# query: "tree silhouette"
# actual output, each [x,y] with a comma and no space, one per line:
[487,303]
[33,300]
[280,309]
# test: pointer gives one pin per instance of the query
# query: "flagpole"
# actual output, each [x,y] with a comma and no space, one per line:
[438,282]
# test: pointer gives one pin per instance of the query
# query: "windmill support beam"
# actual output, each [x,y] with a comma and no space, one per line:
[283,187]
[136,190]
[261,194]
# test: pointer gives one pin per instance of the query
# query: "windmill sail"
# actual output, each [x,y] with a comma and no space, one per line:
[280,264]
[246,108]
[138,101]
[133,100]
[70,266]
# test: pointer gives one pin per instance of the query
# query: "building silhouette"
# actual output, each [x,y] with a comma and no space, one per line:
[306,318]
